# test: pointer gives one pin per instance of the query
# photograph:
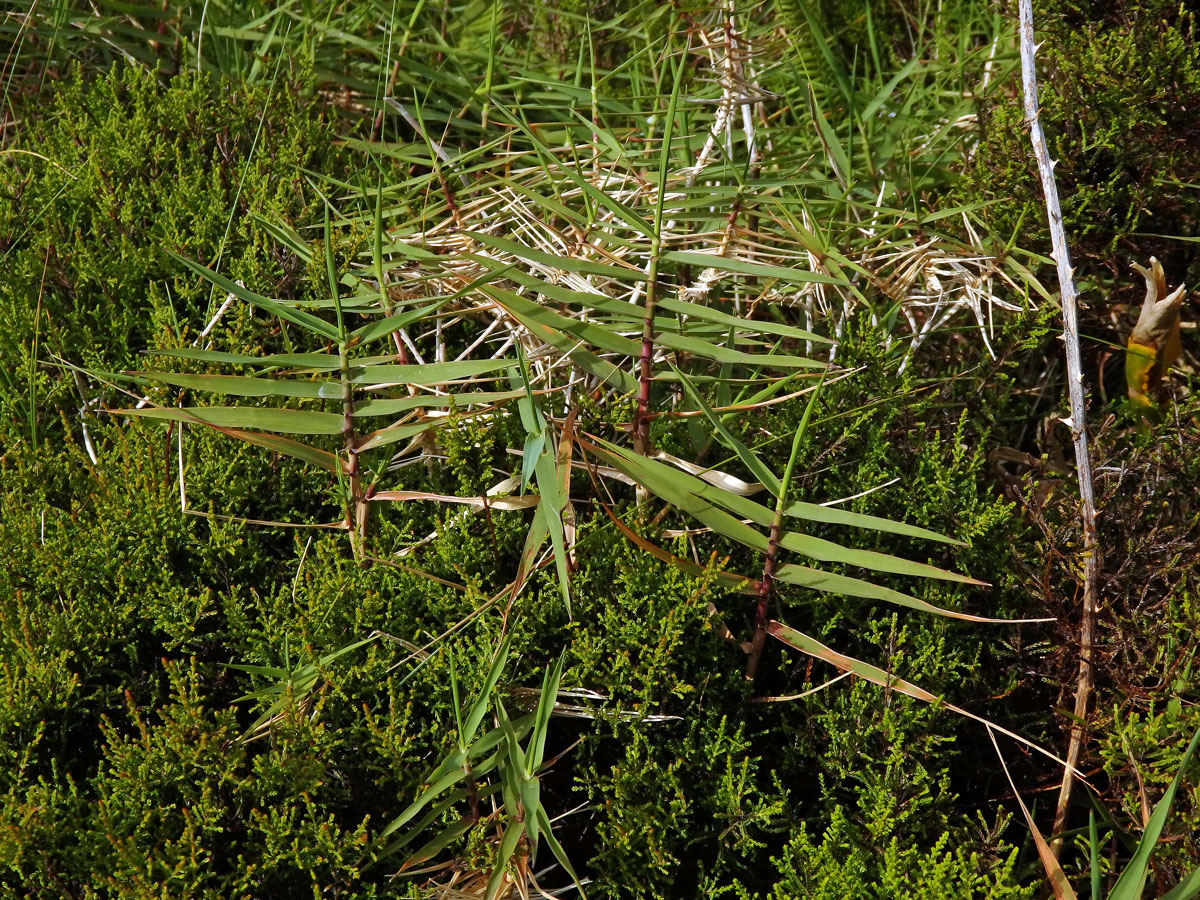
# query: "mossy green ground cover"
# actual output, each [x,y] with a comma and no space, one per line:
[125,768]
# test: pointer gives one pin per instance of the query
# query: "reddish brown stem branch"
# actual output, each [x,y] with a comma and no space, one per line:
[766,588]
[356,501]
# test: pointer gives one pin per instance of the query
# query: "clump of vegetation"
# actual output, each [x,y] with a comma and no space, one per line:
[1125,168]
[110,178]
[541,470]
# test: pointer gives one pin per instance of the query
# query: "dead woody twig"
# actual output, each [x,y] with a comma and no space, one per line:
[1077,420]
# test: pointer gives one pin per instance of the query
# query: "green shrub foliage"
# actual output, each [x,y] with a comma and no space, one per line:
[139,641]
[1118,83]
[114,175]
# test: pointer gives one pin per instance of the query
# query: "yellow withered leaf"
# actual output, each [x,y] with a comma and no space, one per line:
[1154,344]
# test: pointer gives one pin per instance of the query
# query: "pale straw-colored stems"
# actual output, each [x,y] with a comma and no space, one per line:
[1077,421]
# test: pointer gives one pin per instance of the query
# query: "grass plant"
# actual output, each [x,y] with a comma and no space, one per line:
[588,366]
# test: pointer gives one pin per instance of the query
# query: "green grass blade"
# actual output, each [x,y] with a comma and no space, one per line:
[556,848]
[247,386]
[326,361]
[400,432]
[748,457]
[831,515]
[723,354]
[384,327]
[614,206]
[541,722]
[437,844]
[660,479]
[1187,888]
[1133,880]
[429,374]
[479,709]
[876,675]
[508,845]
[295,316]
[591,333]
[280,421]
[832,583]
[565,263]
[756,270]
[707,314]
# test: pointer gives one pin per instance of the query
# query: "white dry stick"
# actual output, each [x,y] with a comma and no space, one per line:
[1078,419]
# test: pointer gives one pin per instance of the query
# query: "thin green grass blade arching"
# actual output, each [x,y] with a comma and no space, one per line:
[314,361]
[295,316]
[833,583]
[368,334]
[249,386]
[715,316]
[428,375]
[748,457]
[1133,880]
[1187,888]
[565,263]
[755,270]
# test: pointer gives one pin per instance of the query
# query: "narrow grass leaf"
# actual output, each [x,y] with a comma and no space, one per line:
[1133,880]
[508,844]
[556,848]
[832,583]
[295,316]
[1188,887]
[1054,873]
[296,360]
[477,502]
[429,374]
[247,386]
[715,316]
[562,263]
[742,267]
[728,580]
[748,457]
[802,642]
[400,432]
[723,354]
[438,843]
[830,515]
[384,327]
[660,478]
[280,421]
[591,333]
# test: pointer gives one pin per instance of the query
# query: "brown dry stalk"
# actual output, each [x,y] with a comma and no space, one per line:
[766,588]
[357,505]
[1077,420]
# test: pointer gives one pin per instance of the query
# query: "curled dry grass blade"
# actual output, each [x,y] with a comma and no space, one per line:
[802,642]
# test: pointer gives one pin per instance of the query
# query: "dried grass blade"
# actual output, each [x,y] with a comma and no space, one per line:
[876,675]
